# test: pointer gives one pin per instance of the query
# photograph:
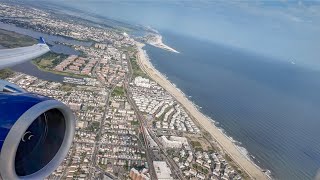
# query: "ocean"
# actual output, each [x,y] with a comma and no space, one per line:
[269,106]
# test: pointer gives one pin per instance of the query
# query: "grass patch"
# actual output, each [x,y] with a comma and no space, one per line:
[66,87]
[118,91]
[10,39]
[94,126]
[136,71]
[6,73]
[200,168]
[134,123]
[129,49]
[198,149]
[195,143]
[45,63]
[49,60]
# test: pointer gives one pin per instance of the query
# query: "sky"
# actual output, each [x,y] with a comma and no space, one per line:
[287,30]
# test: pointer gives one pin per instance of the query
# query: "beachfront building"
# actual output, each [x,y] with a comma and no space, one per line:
[170,144]
[142,82]
[174,142]
[152,99]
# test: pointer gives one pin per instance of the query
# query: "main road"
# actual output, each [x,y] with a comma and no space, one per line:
[141,122]
[144,126]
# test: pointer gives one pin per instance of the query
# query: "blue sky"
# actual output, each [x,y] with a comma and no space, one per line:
[288,30]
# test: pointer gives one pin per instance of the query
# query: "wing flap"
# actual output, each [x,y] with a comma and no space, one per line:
[11,57]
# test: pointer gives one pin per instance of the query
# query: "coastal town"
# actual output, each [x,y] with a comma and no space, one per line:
[131,122]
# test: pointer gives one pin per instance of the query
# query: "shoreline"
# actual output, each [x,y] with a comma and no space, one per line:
[156,41]
[222,139]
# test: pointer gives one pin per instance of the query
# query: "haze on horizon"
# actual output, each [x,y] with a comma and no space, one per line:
[286,30]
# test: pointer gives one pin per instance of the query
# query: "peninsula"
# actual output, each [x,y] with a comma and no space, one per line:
[156,41]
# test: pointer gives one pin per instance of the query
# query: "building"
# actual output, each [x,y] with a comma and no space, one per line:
[75,106]
[169,144]
[143,177]
[100,46]
[135,175]
[174,142]
[163,172]
[142,82]
[183,140]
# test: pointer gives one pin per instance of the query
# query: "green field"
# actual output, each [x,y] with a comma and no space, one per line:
[66,87]
[10,39]
[49,60]
[195,144]
[5,73]
[118,91]
[136,71]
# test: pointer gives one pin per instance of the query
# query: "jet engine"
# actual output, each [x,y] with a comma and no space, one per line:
[36,133]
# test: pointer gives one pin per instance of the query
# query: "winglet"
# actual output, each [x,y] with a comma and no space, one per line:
[42,41]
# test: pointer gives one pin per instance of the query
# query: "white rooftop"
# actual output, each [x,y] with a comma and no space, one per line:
[163,172]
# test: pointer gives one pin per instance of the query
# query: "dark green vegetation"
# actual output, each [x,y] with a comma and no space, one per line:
[136,71]
[66,87]
[134,123]
[93,127]
[195,144]
[200,168]
[128,49]
[49,60]
[10,39]
[118,91]
[5,73]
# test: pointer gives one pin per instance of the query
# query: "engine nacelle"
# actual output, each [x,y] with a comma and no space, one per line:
[36,133]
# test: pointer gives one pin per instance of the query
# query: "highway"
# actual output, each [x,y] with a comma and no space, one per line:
[143,123]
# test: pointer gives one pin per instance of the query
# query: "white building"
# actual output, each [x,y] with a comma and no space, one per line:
[183,140]
[163,172]
[174,142]
[142,82]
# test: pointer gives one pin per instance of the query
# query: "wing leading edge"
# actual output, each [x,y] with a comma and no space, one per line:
[11,57]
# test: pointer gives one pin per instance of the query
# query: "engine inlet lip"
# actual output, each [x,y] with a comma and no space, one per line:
[11,143]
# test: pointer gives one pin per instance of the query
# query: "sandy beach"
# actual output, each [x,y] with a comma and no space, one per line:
[228,146]
[156,41]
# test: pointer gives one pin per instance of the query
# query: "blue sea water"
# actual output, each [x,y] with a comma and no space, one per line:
[271,107]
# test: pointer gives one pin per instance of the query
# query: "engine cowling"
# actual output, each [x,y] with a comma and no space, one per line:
[36,133]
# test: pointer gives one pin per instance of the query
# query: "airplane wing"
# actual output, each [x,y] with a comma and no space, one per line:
[11,57]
